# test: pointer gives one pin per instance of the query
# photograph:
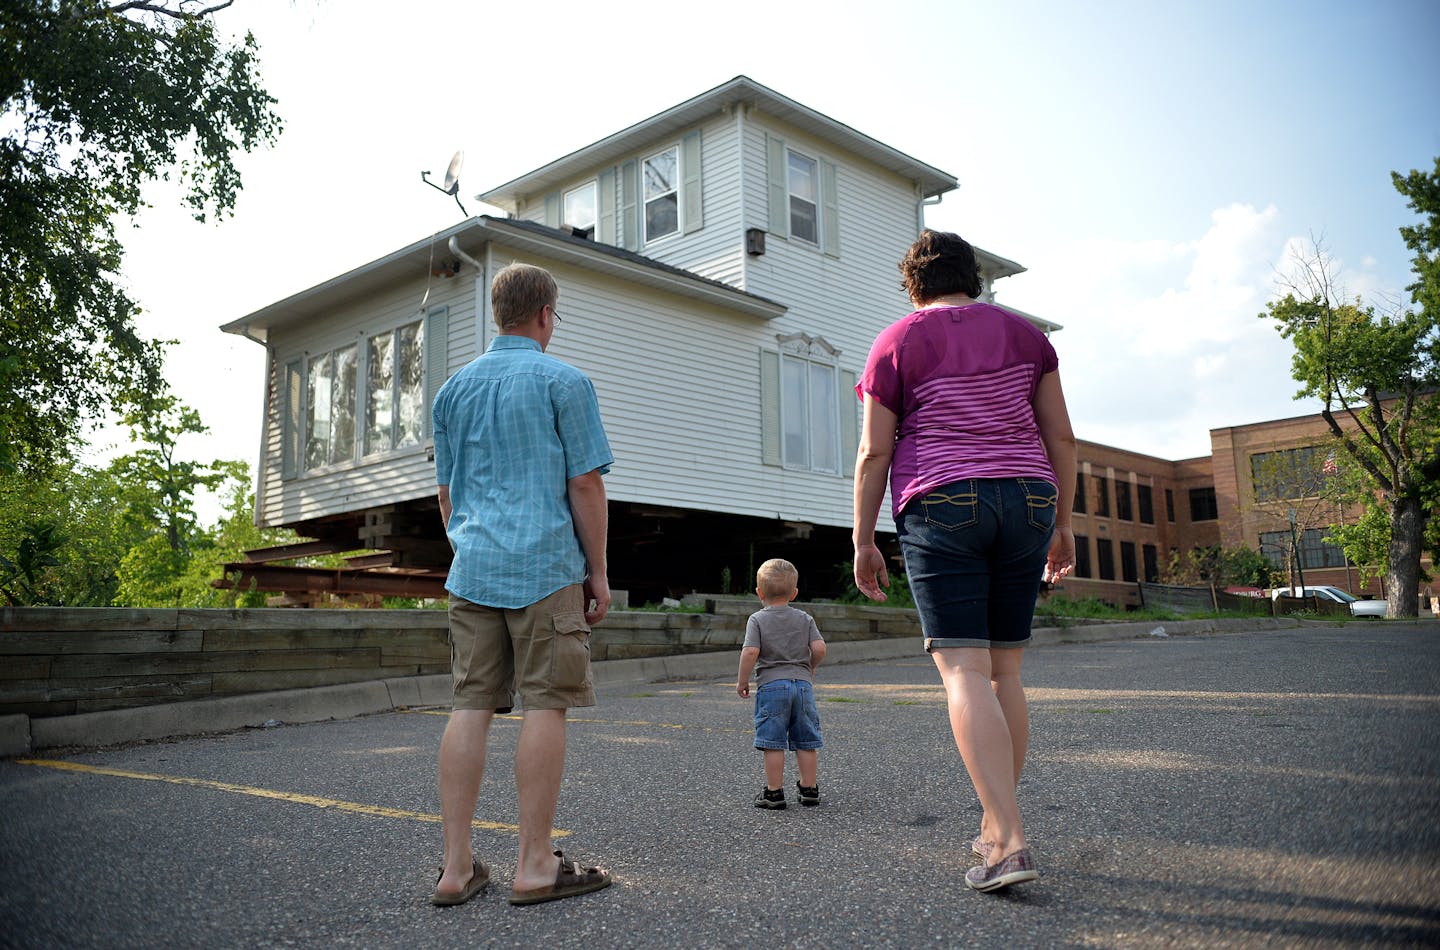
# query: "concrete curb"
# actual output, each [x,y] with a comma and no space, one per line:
[21,735]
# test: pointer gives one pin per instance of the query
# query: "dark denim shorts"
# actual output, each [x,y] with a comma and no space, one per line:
[786,717]
[975,551]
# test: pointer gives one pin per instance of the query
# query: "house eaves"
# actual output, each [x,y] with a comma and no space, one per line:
[994,266]
[471,235]
[723,98]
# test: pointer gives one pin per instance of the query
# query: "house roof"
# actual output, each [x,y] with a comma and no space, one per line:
[741,89]
[470,234]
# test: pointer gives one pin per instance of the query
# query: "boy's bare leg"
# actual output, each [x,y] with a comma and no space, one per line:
[774,768]
[808,761]
[539,766]
[462,766]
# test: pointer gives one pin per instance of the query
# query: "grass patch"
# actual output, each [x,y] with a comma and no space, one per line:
[908,702]
[640,695]
[843,699]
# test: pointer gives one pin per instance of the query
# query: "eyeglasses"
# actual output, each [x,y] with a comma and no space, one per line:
[556,314]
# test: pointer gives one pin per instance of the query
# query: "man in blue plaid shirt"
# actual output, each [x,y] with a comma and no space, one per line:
[519,455]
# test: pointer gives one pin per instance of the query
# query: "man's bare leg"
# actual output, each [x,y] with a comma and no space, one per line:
[539,766]
[462,767]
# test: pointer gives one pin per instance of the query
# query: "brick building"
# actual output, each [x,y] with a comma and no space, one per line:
[1132,510]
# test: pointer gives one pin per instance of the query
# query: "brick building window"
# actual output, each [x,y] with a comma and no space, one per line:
[1202,504]
[1169,506]
[1082,556]
[1145,497]
[1105,554]
[1102,496]
[1127,561]
[1152,563]
[1123,511]
[1079,505]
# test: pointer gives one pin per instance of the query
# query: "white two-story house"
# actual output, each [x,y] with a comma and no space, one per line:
[723,268]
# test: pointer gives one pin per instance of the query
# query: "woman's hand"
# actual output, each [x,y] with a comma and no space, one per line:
[870,573]
[1062,554]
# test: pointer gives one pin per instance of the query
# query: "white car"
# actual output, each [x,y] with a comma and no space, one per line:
[1358,607]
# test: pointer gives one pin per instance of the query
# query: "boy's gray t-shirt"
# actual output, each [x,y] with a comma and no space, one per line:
[783,634]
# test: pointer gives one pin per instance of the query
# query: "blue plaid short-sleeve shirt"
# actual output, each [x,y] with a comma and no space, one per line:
[511,429]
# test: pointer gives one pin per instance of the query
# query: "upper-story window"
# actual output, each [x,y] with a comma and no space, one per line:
[661,176]
[395,389]
[579,209]
[804,187]
[1203,506]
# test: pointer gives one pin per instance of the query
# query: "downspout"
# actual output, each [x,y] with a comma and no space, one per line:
[454,246]
[920,207]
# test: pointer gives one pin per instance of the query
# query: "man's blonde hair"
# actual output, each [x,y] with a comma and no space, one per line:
[518,292]
[777,577]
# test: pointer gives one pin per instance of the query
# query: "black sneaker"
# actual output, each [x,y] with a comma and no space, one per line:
[770,799]
[809,794]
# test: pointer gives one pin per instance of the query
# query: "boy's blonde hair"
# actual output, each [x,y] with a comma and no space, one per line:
[777,577]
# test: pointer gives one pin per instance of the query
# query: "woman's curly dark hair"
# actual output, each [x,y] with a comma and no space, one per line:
[940,263]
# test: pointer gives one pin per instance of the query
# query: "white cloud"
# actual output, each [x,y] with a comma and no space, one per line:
[1165,342]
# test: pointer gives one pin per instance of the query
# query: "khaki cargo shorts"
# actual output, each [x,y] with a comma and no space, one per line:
[541,652]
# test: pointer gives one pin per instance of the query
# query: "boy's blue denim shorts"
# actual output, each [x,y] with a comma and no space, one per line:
[975,552]
[786,717]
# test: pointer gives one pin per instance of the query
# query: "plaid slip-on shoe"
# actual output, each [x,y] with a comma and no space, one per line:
[1011,869]
[980,848]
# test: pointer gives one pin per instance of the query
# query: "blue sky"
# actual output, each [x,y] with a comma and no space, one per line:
[1149,163]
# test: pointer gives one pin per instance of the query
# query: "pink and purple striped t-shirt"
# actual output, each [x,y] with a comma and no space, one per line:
[961,380]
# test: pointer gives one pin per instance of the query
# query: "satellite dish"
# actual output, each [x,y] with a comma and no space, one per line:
[452,180]
[452,174]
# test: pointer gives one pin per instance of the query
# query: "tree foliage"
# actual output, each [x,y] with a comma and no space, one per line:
[1378,375]
[96,100]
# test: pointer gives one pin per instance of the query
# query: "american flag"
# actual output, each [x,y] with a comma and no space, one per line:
[1331,467]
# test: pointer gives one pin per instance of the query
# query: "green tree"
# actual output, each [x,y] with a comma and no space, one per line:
[96,100]
[152,574]
[162,485]
[1377,375]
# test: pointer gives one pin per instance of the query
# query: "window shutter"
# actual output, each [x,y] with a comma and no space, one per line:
[630,205]
[552,210]
[777,186]
[849,420]
[290,416]
[437,333]
[770,407]
[605,226]
[693,215]
[829,209]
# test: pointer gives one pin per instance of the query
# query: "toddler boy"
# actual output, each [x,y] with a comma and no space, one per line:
[783,646]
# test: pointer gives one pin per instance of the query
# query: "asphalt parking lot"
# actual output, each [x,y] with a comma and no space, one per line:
[1249,789]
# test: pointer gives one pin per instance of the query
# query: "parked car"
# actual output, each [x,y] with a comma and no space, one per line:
[1358,607]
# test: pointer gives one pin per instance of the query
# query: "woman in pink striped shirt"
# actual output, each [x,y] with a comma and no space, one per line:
[965,415]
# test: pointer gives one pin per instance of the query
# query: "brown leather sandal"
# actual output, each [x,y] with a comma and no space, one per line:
[570,881]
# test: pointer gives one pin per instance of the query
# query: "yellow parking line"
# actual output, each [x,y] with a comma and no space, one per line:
[313,800]
[603,722]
